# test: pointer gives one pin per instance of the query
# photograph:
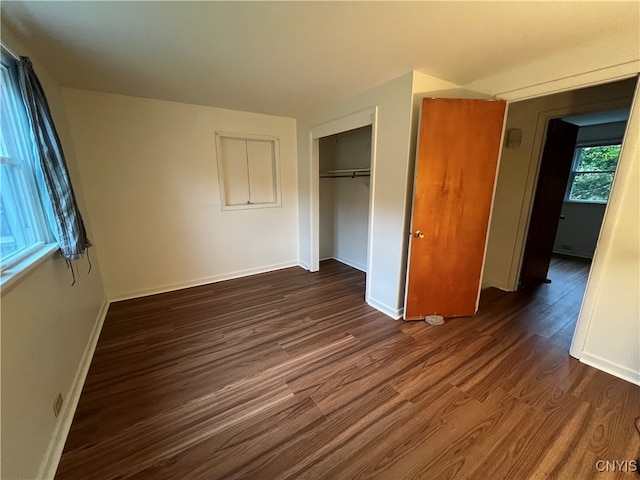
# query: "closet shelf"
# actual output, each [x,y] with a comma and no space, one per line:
[351,173]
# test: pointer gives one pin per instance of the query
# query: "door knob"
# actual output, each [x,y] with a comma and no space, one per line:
[418,234]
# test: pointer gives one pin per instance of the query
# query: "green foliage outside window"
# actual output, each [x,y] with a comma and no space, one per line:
[593,173]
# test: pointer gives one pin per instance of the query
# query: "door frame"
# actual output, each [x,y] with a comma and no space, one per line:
[574,82]
[533,174]
[363,118]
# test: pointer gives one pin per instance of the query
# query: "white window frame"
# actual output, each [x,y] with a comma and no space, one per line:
[220,135]
[574,169]
[21,191]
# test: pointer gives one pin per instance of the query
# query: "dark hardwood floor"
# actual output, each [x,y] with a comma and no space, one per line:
[290,374]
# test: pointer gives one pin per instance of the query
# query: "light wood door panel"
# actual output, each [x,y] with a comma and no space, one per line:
[458,147]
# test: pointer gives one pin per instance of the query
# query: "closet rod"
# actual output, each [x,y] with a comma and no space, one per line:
[353,175]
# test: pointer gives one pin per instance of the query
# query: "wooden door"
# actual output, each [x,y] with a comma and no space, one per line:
[555,167]
[458,147]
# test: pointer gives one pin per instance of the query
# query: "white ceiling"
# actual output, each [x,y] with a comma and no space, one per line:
[598,118]
[287,58]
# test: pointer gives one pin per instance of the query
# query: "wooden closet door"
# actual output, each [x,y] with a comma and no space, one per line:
[458,148]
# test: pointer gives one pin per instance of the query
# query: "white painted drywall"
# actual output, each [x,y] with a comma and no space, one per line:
[46,325]
[327,217]
[351,217]
[150,176]
[517,174]
[579,229]
[391,179]
[344,202]
[608,330]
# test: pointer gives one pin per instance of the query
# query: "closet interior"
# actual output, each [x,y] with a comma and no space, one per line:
[345,169]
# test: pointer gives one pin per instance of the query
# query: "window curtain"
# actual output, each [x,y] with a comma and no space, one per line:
[66,224]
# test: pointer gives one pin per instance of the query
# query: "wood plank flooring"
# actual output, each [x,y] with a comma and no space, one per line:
[289,374]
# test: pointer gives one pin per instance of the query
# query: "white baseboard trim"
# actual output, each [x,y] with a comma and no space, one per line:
[357,266]
[492,284]
[301,264]
[573,253]
[395,313]
[614,369]
[202,281]
[52,456]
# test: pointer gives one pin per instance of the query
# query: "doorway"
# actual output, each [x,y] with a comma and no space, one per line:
[518,173]
[576,174]
[520,165]
[345,174]
[365,122]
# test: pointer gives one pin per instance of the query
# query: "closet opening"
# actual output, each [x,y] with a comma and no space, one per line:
[347,173]
[344,164]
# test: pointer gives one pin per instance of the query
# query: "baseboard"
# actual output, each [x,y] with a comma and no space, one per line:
[395,313]
[202,281]
[51,460]
[357,266]
[301,264]
[498,285]
[614,369]
[574,254]
[487,284]
[493,284]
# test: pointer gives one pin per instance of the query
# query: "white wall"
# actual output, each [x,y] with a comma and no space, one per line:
[46,326]
[578,231]
[608,330]
[327,218]
[517,173]
[580,222]
[391,180]
[344,202]
[149,172]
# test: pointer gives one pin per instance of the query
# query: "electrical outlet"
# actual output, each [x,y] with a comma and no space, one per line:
[57,405]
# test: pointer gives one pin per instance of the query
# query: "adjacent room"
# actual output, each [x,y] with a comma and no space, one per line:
[320,240]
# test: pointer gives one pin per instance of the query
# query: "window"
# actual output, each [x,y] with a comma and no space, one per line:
[22,222]
[592,173]
[248,168]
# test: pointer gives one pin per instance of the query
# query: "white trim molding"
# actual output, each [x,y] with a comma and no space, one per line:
[395,313]
[16,272]
[571,82]
[614,369]
[53,454]
[201,281]
[359,119]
